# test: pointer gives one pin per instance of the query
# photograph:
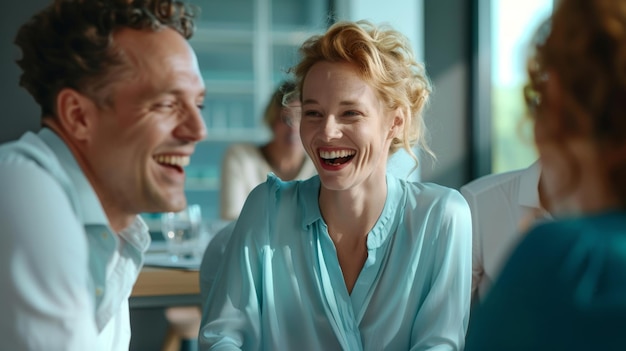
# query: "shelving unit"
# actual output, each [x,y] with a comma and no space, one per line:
[244,49]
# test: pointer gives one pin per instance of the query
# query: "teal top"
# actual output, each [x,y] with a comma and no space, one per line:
[280,286]
[564,288]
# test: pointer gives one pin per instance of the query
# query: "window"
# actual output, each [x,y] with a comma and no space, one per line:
[513,23]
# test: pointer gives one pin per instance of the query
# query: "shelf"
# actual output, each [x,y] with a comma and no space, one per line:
[213,35]
[236,135]
[227,87]
[295,35]
[164,282]
[244,49]
[202,184]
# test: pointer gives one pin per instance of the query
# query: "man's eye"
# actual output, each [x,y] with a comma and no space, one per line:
[164,105]
[311,113]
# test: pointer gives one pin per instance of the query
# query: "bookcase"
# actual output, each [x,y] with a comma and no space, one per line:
[244,49]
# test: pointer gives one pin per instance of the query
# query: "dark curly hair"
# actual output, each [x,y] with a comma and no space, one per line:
[585,48]
[69,43]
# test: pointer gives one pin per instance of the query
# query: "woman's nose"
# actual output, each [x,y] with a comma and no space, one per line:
[331,129]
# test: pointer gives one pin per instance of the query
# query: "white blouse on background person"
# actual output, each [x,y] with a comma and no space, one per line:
[501,204]
[243,168]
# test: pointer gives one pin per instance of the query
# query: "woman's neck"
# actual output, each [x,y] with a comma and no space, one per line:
[352,212]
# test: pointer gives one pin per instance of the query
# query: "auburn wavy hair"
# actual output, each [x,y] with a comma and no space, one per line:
[585,48]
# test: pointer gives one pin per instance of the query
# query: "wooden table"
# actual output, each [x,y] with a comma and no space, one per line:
[164,287]
[154,281]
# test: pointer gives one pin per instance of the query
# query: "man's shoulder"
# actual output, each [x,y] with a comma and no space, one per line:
[43,158]
[29,147]
[43,151]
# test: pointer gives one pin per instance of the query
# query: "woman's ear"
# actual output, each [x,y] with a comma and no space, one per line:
[397,123]
[551,117]
[75,113]
[554,95]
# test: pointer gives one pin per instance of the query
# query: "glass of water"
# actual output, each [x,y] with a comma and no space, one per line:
[181,231]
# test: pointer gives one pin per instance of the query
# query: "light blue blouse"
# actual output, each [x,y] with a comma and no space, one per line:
[280,286]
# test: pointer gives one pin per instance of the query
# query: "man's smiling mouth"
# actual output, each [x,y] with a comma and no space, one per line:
[174,161]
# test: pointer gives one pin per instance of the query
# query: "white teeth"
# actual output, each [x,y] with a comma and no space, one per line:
[180,161]
[327,155]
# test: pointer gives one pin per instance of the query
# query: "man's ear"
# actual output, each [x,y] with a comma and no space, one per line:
[76,114]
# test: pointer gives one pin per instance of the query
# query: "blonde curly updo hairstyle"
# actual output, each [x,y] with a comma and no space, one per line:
[385,60]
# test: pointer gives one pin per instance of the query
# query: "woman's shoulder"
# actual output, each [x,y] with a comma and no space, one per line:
[573,241]
[432,194]
[592,229]
[277,201]
[429,202]
[276,188]
[572,252]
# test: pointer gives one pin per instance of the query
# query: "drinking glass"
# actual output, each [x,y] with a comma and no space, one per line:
[181,231]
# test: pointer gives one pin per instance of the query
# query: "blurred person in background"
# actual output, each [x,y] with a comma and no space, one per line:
[247,165]
[564,287]
[503,206]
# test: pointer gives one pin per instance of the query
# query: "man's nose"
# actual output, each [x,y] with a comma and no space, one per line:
[192,127]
